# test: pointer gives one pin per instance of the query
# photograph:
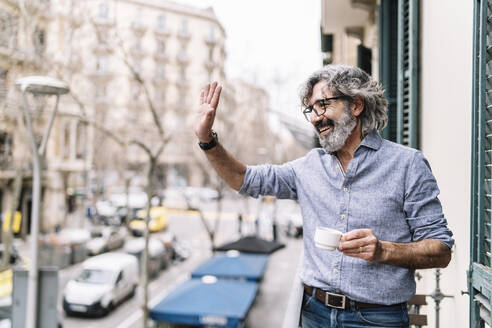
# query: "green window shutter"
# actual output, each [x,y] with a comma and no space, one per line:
[480,285]
[388,61]
[408,68]
[399,68]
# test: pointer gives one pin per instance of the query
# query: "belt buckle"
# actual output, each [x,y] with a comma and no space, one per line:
[340,299]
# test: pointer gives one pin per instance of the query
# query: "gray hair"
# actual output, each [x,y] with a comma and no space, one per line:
[345,80]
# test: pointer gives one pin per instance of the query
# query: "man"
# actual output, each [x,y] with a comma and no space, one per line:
[381,195]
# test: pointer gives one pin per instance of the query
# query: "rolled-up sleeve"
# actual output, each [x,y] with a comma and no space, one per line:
[272,180]
[422,206]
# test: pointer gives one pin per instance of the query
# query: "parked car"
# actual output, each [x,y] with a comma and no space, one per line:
[105,281]
[185,198]
[105,239]
[158,257]
[158,220]
[203,194]
[107,213]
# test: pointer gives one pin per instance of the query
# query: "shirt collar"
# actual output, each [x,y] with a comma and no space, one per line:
[372,140]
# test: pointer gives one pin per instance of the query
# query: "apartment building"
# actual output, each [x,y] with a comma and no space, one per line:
[97,47]
[432,57]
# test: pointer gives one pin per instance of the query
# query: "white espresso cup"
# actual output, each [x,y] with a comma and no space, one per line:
[327,238]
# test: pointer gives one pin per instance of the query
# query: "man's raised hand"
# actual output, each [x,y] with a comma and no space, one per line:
[209,99]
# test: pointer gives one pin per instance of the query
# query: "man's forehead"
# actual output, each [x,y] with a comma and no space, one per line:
[321,90]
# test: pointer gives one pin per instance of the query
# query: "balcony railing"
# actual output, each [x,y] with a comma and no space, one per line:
[184,35]
[139,28]
[210,41]
[162,32]
[182,58]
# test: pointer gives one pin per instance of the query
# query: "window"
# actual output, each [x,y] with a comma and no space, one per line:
[135,92]
[102,36]
[103,11]
[137,46]
[159,96]
[399,66]
[184,26]
[182,74]
[9,26]
[6,142]
[364,58]
[161,23]
[4,89]
[480,273]
[160,72]
[137,67]
[101,64]
[161,47]
[66,141]
[100,93]
[138,18]
[80,150]
[39,41]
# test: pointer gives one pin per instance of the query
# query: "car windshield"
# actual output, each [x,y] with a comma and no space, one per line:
[95,277]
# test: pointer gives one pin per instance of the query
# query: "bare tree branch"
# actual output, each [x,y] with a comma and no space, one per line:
[100,127]
[139,79]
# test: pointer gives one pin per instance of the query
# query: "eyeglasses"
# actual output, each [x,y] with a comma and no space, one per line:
[319,107]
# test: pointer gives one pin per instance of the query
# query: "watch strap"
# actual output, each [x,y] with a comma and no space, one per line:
[211,144]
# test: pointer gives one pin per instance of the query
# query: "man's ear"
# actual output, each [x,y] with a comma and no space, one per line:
[357,106]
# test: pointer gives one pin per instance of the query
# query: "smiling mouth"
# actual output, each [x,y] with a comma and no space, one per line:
[324,126]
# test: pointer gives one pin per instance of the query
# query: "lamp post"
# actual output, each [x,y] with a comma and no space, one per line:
[37,85]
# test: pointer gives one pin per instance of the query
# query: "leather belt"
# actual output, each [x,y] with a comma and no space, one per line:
[339,301]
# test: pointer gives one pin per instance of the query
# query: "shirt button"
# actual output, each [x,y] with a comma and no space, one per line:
[345,189]
[342,216]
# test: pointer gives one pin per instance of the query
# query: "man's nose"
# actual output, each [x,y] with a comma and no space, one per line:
[315,117]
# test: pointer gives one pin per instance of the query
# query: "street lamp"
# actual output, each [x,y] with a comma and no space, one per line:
[37,85]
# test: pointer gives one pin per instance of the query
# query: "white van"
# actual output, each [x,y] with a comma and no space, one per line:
[105,281]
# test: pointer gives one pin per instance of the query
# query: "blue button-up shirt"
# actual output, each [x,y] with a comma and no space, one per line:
[387,187]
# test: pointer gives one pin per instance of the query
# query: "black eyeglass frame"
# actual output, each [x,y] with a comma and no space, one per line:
[323,103]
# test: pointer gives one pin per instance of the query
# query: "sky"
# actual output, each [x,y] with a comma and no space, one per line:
[272,43]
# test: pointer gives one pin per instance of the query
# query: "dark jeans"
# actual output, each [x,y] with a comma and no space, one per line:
[316,315]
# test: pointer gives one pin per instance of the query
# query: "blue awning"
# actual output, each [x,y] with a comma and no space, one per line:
[223,303]
[245,266]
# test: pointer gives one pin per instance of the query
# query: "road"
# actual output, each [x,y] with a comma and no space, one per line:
[189,228]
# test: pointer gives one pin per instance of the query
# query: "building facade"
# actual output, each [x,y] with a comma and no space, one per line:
[135,70]
[97,47]
[433,62]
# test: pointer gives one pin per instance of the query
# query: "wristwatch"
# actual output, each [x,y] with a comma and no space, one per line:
[211,144]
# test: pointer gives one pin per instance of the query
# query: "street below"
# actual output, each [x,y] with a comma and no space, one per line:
[271,301]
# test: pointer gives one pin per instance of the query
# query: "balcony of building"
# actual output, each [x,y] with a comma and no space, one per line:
[102,48]
[139,28]
[182,58]
[184,35]
[210,64]
[103,22]
[160,51]
[210,40]
[137,52]
[100,76]
[160,81]
[162,32]
[161,57]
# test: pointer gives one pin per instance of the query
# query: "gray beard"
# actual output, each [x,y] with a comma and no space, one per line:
[342,129]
